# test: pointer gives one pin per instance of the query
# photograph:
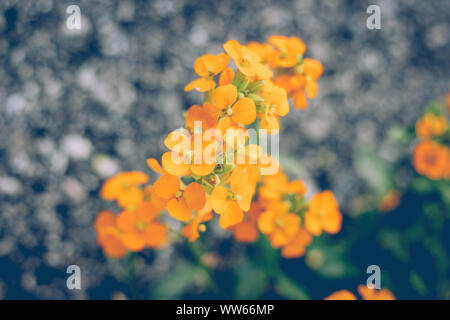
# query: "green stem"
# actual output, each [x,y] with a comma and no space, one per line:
[196,253]
[270,259]
[131,275]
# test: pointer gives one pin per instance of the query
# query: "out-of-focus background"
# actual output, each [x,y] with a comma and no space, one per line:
[78,106]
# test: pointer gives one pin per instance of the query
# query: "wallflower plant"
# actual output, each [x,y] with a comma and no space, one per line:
[216,167]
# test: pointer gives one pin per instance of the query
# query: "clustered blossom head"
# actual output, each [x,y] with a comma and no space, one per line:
[223,175]
[432,152]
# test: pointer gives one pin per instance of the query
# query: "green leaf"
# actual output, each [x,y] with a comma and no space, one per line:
[178,281]
[251,281]
[435,107]
[417,283]
[423,184]
[329,260]
[291,165]
[289,289]
[376,171]
[392,241]
[401,135]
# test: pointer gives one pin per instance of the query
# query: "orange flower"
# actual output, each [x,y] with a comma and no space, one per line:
[299,99]
[208,115]
[246,230]
[140,227]
[267,53]
[304,80]
[226,77]
[191,230]
[432,160]
[431,125]
[296,247]
[341,295]
[278,224]
[240,111]
[277,185]
[290,82]
[276,105]
[374,294]
[155,166]
[313,70]
[390,201]
[190,154]
[290,49]
[323,214]
[108,235]
[207,67]
[124,188]
[231,203]
[365,292]
[180,200]
[247,169]
[248,62]
[294,86]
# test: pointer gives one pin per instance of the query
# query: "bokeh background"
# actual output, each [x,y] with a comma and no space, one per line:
[78,106]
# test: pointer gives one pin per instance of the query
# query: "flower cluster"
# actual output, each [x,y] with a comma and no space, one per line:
[215,167]
[365,292]
[432,153]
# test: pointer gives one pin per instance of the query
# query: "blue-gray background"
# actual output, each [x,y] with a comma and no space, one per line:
[78,106]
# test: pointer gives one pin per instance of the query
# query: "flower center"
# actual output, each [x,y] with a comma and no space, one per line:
[430,159]
[300,69]
[245,61]
[279,222]
[141,226]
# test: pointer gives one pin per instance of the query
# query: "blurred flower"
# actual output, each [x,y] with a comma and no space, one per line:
[432,160]
[374,294]
[390,201]
[108,235]
[431,125]
[247,231]
[124,188]
[296,247]
[140,228]
[323,214]
[290,49]
[341,295]
[278,224]
[365,292]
